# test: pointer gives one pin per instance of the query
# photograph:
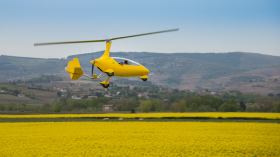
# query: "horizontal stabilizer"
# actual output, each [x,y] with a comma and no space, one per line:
[74,68]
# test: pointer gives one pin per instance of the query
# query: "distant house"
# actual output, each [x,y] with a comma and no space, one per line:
[92,97]
[141,94]
[75,97]
[107,96]
[21,95]
[2,91]
[54,87]
[63,90]
[108,108]
[213,93]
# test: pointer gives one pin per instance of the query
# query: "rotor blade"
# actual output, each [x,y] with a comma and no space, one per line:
[88,41]
[68,42]
[170,30]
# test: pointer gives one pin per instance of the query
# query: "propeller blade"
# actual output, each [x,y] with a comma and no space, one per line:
[69,42]
[170,30]
[92,69]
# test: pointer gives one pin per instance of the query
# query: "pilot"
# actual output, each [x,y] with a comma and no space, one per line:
[126,62]
[121,63]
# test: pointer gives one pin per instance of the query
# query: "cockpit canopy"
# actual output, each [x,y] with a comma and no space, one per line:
[125,61]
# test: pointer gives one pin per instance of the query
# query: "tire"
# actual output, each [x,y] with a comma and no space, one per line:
[144,79]
[106,86]
[110,74]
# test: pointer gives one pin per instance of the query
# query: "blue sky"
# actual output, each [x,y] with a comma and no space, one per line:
[205,26]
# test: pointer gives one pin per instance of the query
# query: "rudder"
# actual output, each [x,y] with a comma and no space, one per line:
[74,68]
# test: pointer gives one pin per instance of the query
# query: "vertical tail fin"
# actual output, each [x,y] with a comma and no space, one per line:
[74,68]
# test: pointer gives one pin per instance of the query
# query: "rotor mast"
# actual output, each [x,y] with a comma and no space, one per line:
[107,51]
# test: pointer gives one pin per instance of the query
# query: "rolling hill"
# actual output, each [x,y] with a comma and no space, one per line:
[179,70]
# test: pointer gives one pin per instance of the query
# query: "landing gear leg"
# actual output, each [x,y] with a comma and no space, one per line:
[106,84]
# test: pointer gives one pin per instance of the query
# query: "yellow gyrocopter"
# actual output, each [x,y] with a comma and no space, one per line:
[106,64]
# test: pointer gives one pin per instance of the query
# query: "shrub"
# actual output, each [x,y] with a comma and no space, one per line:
[132,111]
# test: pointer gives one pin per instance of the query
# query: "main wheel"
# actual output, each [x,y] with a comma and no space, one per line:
[105,85]
[110,74]
[144,79]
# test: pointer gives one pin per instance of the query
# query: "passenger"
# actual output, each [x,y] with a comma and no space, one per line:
[121,63]
[126,62]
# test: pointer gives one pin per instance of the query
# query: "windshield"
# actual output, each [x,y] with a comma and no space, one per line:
[125,61]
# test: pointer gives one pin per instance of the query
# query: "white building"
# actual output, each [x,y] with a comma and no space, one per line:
[21,95]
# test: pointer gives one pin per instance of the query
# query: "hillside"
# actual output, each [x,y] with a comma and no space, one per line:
[178,70]
[248,61]
[22,67]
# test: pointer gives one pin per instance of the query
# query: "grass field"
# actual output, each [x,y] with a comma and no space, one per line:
[199,115]
[139,139]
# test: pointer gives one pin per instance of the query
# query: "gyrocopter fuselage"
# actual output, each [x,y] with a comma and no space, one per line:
[110,66]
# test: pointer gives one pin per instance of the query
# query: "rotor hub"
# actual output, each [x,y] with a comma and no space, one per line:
[108,40]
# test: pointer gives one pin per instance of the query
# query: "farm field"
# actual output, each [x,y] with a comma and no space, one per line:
[5,98]
[202,115]
[44,96]
[139,139]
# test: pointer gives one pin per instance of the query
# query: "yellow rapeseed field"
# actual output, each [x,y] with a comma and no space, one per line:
[154,115]
[139,139]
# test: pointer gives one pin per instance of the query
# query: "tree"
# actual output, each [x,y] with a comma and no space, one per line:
[15,92]
[56,107]
[146,105]
[58,94]
[23,105]
[128,106]
[46,107]
[270,94]
[2,106]
[182,105]
[251,100]
[11,107]
[276,107]
[77,94]
[242,105]
[175,107]
[132,111]
[193,107]
[227,108]
[63,101]
[204,108]
[232,101]
[153,107]
[253,108]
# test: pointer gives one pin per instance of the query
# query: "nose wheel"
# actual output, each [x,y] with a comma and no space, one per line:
[144,77]
[105,85]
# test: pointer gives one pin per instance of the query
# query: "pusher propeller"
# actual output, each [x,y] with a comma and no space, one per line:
[92,68]
[107,40]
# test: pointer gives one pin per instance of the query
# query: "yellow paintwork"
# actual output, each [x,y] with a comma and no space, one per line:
[144,77]
[74,68]
[105,63]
